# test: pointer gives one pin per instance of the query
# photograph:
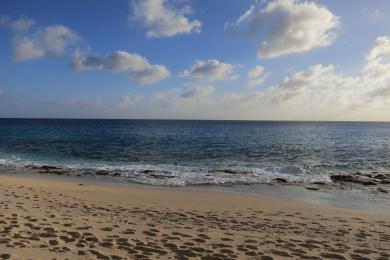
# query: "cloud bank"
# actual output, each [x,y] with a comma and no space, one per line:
[318,92]
[162,18]
[329,93]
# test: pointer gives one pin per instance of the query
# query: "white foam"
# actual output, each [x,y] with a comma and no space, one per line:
[175,175]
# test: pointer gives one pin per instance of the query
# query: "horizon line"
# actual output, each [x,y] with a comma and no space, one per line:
[183,119]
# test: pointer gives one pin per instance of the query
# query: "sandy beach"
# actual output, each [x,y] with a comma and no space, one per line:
[44,218]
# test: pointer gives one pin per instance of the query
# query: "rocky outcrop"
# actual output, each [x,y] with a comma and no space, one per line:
[48,169]
[366,179]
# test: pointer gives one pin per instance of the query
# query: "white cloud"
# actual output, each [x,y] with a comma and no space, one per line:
[289,26]
[256,82]
[201,91]
[256,72]
[52,41]
[380,48]
[328,93]
[319,92]
[378,58]
[210,70]
[257,76]
[316,84]
[138,68]
[26,48]
[129,100]
[21,24]
[56,38]
[162,18]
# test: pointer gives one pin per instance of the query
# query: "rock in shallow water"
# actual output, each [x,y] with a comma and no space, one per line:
[281,180]
[223,171]
[102,172]
[311,188]
[366,179]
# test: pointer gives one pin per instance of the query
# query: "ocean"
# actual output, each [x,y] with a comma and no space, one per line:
[182,153]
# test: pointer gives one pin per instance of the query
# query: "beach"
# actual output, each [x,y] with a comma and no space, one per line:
[49,218]
[185,129]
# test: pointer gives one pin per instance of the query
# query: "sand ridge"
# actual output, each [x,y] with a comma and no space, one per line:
[53,219]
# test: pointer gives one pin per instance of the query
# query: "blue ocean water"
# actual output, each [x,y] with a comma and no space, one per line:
[178,153]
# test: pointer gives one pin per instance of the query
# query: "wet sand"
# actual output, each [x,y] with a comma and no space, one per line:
[42,218]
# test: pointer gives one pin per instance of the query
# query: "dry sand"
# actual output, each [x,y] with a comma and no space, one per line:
[44,218]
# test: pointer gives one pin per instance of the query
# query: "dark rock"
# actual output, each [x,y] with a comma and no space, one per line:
[43,167]
[32,166]
[102,172]
[50,168]
[366,179]
[148,171]
[343,178]
[158,176]
[224,171]
[367,183]
[58,172]
[5,256]
[281,180]
[311,188]
[154,172]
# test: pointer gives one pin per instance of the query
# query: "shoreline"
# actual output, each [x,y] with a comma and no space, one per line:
[348,197]
[83,219]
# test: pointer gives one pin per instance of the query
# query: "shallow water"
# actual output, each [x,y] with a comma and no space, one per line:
[179,153]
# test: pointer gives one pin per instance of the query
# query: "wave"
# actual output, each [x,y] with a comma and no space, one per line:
[169,174]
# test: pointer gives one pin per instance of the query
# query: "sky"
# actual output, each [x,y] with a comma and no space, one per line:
[196,59]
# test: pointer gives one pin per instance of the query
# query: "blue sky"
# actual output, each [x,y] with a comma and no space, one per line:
[191,59]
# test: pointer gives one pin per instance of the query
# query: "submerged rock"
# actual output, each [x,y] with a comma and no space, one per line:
[158,174]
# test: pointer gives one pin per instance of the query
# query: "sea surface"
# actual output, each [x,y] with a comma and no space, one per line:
[180,153]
